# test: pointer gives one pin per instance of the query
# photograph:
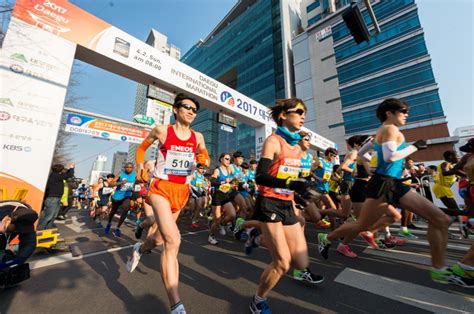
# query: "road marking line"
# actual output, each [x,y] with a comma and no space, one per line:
[405,256]
[416,295]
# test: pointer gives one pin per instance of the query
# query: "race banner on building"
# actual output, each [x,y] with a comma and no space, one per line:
[101,128]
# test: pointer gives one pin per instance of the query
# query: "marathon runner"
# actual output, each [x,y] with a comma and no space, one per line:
[104,193]
[198,198]
[277,177]
[180,148]
[384,188]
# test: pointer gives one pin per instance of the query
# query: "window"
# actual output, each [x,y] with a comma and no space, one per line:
[314,19]
[312,6]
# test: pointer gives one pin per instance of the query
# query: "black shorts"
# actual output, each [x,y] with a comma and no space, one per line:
[233,193]
[358,190]
[345,187]
[391,188]
[268,209]
[334,197]
[220,198]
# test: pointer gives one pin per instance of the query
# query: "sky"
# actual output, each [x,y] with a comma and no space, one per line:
[448,27]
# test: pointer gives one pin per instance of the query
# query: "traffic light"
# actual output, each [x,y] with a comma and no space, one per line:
[355,23]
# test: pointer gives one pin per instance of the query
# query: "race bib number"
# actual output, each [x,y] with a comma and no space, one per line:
[225,187]
[179,163]
[126,187]
[327,176]
[199,184]
[137,188]
[436,177]
[374,160]
[305,172]
[285,172]
[106,191]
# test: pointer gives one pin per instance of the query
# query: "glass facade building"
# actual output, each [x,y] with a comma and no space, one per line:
[244,52]
[348,80]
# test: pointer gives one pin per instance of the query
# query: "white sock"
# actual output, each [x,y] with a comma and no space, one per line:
[387,232]
[404,229]
[258,299]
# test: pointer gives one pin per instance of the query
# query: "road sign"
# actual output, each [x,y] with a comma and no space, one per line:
[144,119]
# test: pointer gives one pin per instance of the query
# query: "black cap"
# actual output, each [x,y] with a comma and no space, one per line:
[468,147]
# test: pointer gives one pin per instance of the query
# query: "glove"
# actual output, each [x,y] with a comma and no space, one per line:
[420,144]
[298,185]
[142,176]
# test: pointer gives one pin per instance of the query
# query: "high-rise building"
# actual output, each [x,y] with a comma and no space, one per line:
[464,134]
[344,81]
[118,162]
[250,51]
[158,108]
[98,169]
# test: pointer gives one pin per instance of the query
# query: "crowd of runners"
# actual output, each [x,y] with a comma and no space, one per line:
[267,202]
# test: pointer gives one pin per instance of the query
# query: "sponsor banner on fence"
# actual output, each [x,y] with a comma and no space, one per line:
[34,70]
[85,125]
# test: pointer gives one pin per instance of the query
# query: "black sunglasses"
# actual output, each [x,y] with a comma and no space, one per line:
[226,158]
[404,111]
[188,107]
[298,111]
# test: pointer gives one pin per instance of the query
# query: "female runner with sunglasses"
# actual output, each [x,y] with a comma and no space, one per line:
[277,179]
[180,148]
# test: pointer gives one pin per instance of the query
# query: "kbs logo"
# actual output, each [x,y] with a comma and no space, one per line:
[4,116]
[182,149]
[17,68]
[17,148]
[227,98]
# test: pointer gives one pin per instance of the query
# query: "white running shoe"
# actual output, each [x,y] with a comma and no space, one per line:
[179,310]
[133,261]
[212,240]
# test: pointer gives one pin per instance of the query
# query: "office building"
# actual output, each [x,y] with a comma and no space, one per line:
[118,162]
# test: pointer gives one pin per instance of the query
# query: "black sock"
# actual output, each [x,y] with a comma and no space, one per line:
[176,305]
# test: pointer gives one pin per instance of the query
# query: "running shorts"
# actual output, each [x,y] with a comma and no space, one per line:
[358,191]
[233,193]
[177,194]
[334,196]
[220,198]
[345,187]
[392,189]
[442,191]
[268,209]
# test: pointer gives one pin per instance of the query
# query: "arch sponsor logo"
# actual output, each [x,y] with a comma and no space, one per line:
[4,116]
[17,148]
[227,98]
[76,120]
[105,134]
[17,68]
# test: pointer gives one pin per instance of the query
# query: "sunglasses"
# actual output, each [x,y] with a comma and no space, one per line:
[298,111]
[306,139]
[226,158]
[404,111]
[332,155]
[188,107]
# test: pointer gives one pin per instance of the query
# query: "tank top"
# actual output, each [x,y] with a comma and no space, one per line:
[306,165]
[287,165]
[251,175]
[447,181]
[390,169]
[325,173]
[361,172]
[223,187]
[198,180]
[347,176]
[125,190]
[176,158]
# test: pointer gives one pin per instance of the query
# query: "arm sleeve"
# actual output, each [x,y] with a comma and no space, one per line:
[391,154]
[264,178]
[364,151]
[141,149]
[203,157]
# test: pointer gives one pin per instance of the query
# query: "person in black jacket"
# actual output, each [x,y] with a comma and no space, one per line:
[52,195]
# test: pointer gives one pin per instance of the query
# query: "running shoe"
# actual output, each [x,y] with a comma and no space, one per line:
[369,238]
[107,229]
[394,240]
[345,250]
[212,239]
[250,244]
[195,224]
[322,225]
[465,232]
[460,271]
[307,275]
[453,236]
[461,281]
[441,276]
[261,307]
[133,261]
[222,230]
[138,231]
[239,222]
[229,229]
[179,310]
[407,234]
[117,233]
[414,227]
[324,245]
[384,245]
[99,225]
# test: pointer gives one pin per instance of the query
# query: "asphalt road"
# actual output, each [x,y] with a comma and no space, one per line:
[222,279]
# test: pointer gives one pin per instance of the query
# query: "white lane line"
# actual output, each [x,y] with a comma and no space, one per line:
[404,256]
[54,260]
[426,298]
[457,247]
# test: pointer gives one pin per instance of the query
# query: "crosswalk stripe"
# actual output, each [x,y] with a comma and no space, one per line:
[422,297]
[412,257]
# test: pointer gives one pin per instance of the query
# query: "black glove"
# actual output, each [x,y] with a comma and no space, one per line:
[298,185]
[420,144]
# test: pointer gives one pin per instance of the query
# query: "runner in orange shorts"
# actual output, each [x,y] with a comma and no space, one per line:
[180,149]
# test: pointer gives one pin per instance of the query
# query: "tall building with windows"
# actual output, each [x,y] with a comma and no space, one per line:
[249,50]
[160,108]
[118,162]
[344,81]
